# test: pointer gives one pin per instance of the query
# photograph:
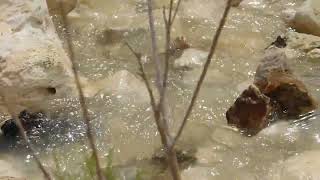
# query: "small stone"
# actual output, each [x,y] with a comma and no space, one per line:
[191,58]
[180,43]
[250,111]
[280,42]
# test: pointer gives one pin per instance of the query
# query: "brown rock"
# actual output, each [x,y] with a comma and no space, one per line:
[275,79]
[289,94]
[250,111]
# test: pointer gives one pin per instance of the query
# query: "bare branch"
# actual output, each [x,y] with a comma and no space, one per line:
[204,71]
[144,77]
[163,106]
[82,100]
[176,11]
[25,138]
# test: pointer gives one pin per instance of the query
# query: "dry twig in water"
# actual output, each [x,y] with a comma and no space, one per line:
[82,100]
[204,71]
[24,136]
[163,105]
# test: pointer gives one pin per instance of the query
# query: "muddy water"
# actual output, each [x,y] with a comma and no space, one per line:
[129,129]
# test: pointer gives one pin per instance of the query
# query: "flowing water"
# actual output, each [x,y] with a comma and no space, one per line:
[129,129]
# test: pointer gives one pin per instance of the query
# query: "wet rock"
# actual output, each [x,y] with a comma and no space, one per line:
[124,86]
[299,167]
[55,6]
[185,156]
[29,121]
[290,95]
[179,44]
[250,111]
[307,18]
[275,79]
[191,58]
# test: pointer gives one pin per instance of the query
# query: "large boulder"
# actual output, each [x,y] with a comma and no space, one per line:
[33,65]
[250,111]
[275,79]
[307,18]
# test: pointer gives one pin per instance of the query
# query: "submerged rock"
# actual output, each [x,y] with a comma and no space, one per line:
[29,121]
[250,111]
[54,6]
[124,86]
[307,18]
[190,59]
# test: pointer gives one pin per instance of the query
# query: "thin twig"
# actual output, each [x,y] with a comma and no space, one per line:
[176,11]
[24,136]
[82,100]
[204,71]
[144,76]
[162,126]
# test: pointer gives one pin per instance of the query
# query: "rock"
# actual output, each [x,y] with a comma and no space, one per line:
[302,42]
[29,121]
[314,54]
[179,44]
[290,95]
[191,58]
[185,156]
[236,3]
[307,18]
[299,167]
[275,79]
[54,6]
[33,65]
[123,86]
[250,111]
